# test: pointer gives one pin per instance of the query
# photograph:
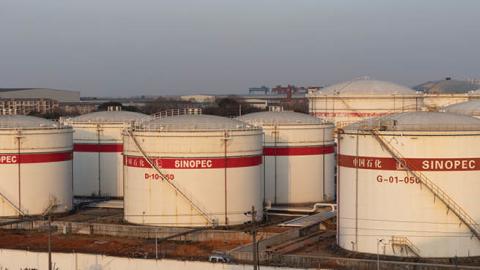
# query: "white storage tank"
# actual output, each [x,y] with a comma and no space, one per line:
[408,185]
[471,108]
[98,145]
[356,100]
[212,166]
[35,166]
[299,158]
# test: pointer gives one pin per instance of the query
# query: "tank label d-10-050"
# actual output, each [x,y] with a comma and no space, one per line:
[415,164]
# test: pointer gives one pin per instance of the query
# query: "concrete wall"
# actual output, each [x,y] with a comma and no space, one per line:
[21,259]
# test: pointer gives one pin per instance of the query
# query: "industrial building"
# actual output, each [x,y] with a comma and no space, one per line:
[298,157]
[192,170]
[26,106]
[35,166]
[40,93]
[403,192]
[98,161]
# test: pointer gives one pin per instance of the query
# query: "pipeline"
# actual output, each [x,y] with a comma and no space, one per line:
[315,208]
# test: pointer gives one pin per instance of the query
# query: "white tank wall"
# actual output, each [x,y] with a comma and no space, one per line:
[40,175]
[370,210]
[154,202]
[299,177]
[98,171]
[346,110]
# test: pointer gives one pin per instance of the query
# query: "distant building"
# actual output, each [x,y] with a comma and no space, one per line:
[40,93]
[199,98]
[288,90]
[263,90]
[24,106]
[78,107]
[257,103]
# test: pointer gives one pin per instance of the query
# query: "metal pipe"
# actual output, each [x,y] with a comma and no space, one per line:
[315,207]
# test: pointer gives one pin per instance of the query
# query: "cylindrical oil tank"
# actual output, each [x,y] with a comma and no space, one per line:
[212,167]
[35,166]
[356,100]
[408,185]
[471,108]
[299,158]
[98,146]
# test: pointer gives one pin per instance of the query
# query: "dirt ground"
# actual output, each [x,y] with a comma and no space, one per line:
[127,247]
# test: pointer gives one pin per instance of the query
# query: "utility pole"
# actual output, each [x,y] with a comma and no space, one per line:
[253,232]
[49,242]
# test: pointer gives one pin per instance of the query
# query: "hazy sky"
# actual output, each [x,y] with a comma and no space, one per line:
[135,47]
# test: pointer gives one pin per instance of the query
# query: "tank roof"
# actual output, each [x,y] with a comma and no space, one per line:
[280,118]
[447,87]
[365,87]
[196,122]
[26,122]
[418,121]
[109,116]
[471,107]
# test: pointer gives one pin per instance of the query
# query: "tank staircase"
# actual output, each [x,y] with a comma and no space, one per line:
[432,187]
[18,210]
[175,186]
[407,245]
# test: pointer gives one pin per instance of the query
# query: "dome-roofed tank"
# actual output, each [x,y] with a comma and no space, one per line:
[35,166]
[471,108]
[447,86]
[410,180]
[355,100]
[366,87]
[98,151]
[299,160]
[206,170]
[441,93]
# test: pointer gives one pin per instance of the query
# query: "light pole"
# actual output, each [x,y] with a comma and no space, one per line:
[378,256]
[253,232]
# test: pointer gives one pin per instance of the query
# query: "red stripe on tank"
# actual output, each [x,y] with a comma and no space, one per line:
[415,164]
[193,163]
[35,158]
[298,151]
[85,147]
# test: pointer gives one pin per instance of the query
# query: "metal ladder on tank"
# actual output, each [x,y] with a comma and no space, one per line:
[403,242]
[182,191]
[436,190]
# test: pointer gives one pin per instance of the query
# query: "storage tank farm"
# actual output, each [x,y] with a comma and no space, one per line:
[192,170]
[471,108]
[35,166]
[98,145]
[408,185]
[299,158]
[352,101]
